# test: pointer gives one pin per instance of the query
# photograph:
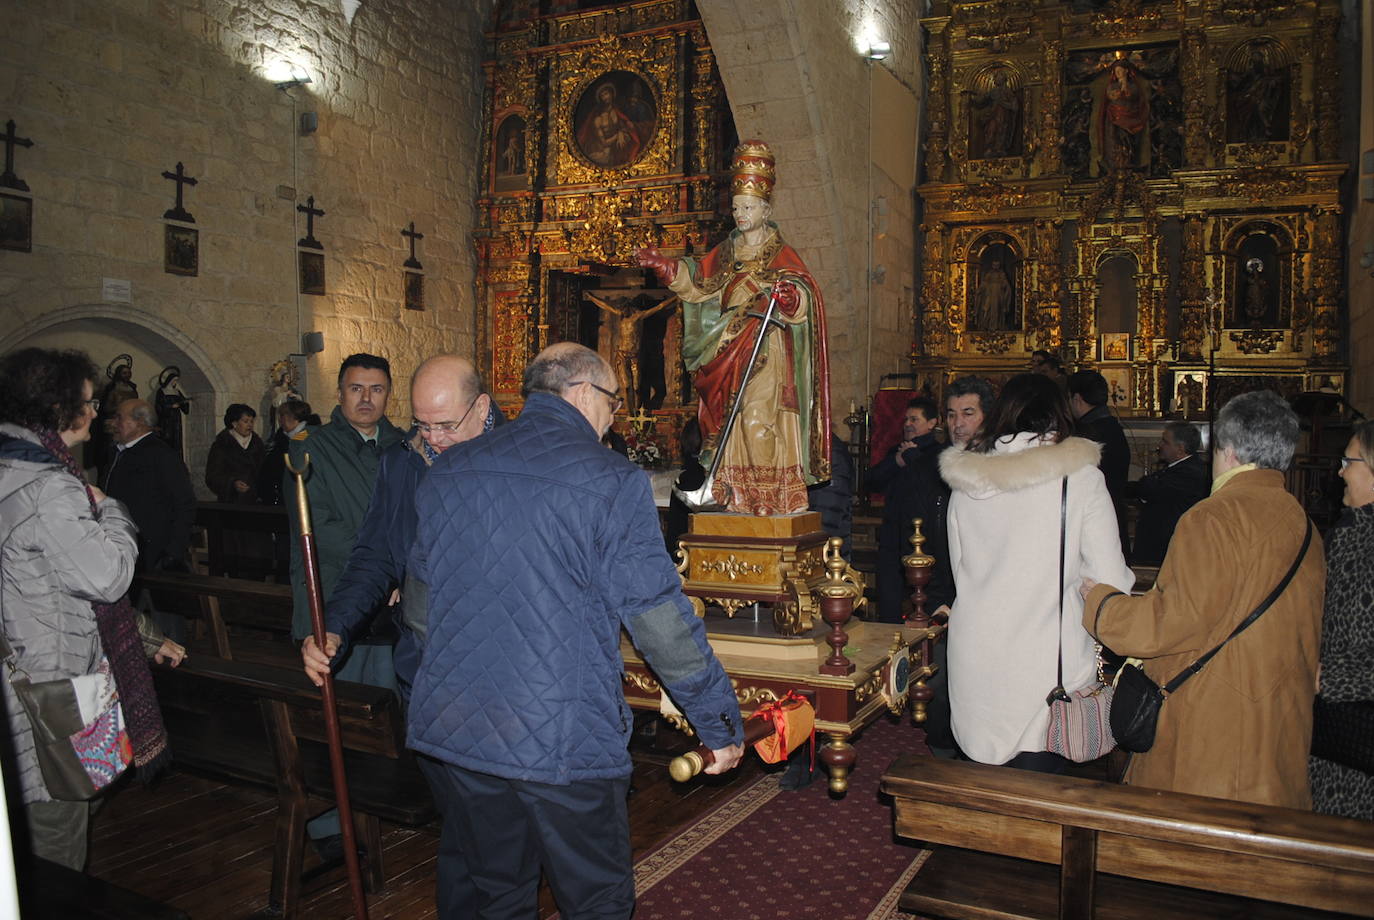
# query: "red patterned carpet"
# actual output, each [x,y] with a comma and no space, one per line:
[768,854]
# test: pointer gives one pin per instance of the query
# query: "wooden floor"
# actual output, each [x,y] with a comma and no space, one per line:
[206,848]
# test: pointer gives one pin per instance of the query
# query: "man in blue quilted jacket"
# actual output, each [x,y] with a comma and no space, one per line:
[540,546]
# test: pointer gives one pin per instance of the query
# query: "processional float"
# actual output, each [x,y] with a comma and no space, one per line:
[777,595]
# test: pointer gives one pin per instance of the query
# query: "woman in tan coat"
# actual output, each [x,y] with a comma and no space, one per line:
[1241,727]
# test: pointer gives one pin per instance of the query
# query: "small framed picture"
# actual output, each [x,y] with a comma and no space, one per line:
[1190,393]
[414,284]
[1118,387]
[312,272]
[1116,346]
[181,250]
[16,222]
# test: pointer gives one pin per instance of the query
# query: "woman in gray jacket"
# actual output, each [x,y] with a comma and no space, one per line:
[67,555]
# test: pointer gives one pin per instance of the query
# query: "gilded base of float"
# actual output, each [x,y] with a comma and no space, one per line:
[731,561]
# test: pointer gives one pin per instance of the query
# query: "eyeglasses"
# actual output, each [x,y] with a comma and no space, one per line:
[445,427]
[613,395]
[1346,461]
[94,404]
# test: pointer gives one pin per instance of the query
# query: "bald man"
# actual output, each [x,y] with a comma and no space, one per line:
[541,545]
[149,477]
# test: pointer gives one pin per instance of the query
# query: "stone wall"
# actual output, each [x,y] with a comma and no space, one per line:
[114,92]
[795,77]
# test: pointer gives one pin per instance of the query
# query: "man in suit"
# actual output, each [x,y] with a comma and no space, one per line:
[1166,494]
[152,482]
[1088,400]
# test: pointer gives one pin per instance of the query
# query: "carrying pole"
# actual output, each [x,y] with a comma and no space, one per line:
[311,562]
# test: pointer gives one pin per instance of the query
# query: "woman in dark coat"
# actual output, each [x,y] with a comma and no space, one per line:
[235,460]
[1348,626]
[232,472]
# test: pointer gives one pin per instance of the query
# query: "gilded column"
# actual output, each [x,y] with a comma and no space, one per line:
[1325,283]
[937,101]
[1049,323]
[934,322]
[1192,320]
[704,104]
[1327,85]
[1193,74]
[1051,99]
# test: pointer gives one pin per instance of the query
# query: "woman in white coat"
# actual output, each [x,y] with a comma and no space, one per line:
[1004,528]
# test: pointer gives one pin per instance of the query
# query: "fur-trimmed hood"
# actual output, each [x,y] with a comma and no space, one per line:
[1016,463]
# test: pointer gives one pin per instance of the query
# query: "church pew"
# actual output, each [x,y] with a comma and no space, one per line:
[220,602]
[263,725]
[269,521]
[1121,851]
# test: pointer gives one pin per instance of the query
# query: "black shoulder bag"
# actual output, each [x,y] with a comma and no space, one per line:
[1137,701]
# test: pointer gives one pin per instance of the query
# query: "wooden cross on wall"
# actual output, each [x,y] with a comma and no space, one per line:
[311,212]
[412,262]
[182,180]
[8,179]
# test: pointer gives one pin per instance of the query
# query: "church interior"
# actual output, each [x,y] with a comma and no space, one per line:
[1177,194]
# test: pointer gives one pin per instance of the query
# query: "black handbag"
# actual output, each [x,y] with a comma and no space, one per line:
[1138,699]
[1343,733]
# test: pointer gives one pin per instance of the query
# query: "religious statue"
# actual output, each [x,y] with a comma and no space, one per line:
[996,114]
[1188,395]
[779,442]
[992,303]
[608,136]
[171,404]
[1258,101]
[1125,115]
[1256,302]
[121,386]
[627,325]
[281,379]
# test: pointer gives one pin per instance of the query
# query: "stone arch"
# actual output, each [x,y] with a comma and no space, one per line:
[154,338]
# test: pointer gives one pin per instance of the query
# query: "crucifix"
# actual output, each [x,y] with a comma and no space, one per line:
[8,179]
[182,180]
[626,342]
[412,262]
[311,212]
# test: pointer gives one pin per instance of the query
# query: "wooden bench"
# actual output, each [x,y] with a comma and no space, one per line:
[264,726]
[1121,851]
[49,890]
[270,521]
[220,601]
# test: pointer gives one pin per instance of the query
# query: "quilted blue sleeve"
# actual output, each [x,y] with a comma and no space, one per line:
[645,589]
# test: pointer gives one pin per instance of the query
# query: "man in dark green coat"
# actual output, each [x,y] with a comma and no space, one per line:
[343,467]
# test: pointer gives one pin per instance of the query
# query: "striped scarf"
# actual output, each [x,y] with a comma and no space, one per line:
[124,648]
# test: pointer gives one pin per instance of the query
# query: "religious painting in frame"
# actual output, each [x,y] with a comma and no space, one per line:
[16,223]
[181,250]
[615,119]
[1115,346]
[1189,393]
[414,286]
[1118,386]
[312,272]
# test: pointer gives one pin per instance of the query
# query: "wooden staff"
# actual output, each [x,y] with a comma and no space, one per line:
[688,765]
[331,715]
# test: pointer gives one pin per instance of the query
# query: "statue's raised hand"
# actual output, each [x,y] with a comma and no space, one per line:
[787,296]
[664,267]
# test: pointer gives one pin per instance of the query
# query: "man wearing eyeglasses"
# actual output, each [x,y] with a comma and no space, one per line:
[541,545]
[449,405]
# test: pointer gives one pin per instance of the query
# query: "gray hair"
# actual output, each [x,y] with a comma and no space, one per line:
[1260,427]
[1186,435]
[557,367]
[144,414]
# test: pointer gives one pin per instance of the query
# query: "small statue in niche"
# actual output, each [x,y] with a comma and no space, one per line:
[1256,301]
[1125,115]
[1257,100]
[995,118]
[992,305]
[1188,395]
[171,404]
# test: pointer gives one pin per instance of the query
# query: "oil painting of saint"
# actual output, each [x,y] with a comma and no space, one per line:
[615,119]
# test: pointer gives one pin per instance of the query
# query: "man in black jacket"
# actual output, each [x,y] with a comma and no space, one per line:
[910,478]
[152,482]
[1166,494]
[1088,400]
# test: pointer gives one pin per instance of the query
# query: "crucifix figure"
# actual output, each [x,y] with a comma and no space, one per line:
[311,212]
[626,342]
[182,180]
[412,262]
[8,179]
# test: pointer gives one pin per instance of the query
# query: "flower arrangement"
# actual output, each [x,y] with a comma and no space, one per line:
[643,449]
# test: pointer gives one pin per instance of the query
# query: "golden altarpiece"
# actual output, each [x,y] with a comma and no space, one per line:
[605,130]
[1150,189]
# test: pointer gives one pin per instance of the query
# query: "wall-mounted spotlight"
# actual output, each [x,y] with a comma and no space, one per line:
[296,76]
[879,50]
